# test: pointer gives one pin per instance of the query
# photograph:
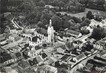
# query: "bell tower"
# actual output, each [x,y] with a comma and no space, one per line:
[50,32]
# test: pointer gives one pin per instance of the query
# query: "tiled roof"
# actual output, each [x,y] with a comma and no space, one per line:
[51,60]
[73,32]
[2,37]
[60,50]
[47,67]
[57,44]
[23,64]
[39,58]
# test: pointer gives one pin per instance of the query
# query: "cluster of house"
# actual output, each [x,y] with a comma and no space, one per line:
[25,51]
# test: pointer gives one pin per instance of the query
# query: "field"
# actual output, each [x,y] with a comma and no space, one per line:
[83,14]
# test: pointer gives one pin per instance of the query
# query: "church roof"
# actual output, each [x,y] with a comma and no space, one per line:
[43,31]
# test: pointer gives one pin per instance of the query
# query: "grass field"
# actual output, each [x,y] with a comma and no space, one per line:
[83,14]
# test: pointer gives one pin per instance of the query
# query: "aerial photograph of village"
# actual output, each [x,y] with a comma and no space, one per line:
[52,36]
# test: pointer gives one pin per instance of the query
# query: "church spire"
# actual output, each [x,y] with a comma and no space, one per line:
[50,32]
[50,23]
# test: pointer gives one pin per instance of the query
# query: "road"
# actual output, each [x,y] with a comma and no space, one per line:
[73,70]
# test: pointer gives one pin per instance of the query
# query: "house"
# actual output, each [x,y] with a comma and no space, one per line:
[60,50]
[72,32]
[23,64]
[47,69]
[10,45]
[39,58]
[103,23]
[3,40]
[48,51]
[51,60]
[94,23]
[81,57]
[3,43]
[13,31]
[10,70]
[57,44]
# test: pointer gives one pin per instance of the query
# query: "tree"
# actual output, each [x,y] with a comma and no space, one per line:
[71,22]
[65,1]
[84,2]
[84,30]
[45,22]
[65,21]
[45,15]
[26,8]
[90,15]
[4,4]
[77,27]
[36,1]
[77,20]
[98,33]
[57,22]
[61,4]
[66,17]
[32,18]
[79,7]
[47,1]
[100,2]
[105,6]
[98,18]
[66,24]
[40,24]
[70,3]
[41,3]
[3,24]
[86,22]
[104,33]
[55,2]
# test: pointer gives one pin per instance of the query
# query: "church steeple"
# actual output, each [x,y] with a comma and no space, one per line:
[50,32]
[50,23]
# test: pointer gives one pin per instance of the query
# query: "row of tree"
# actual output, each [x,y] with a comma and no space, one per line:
[96,4]
[68,5]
